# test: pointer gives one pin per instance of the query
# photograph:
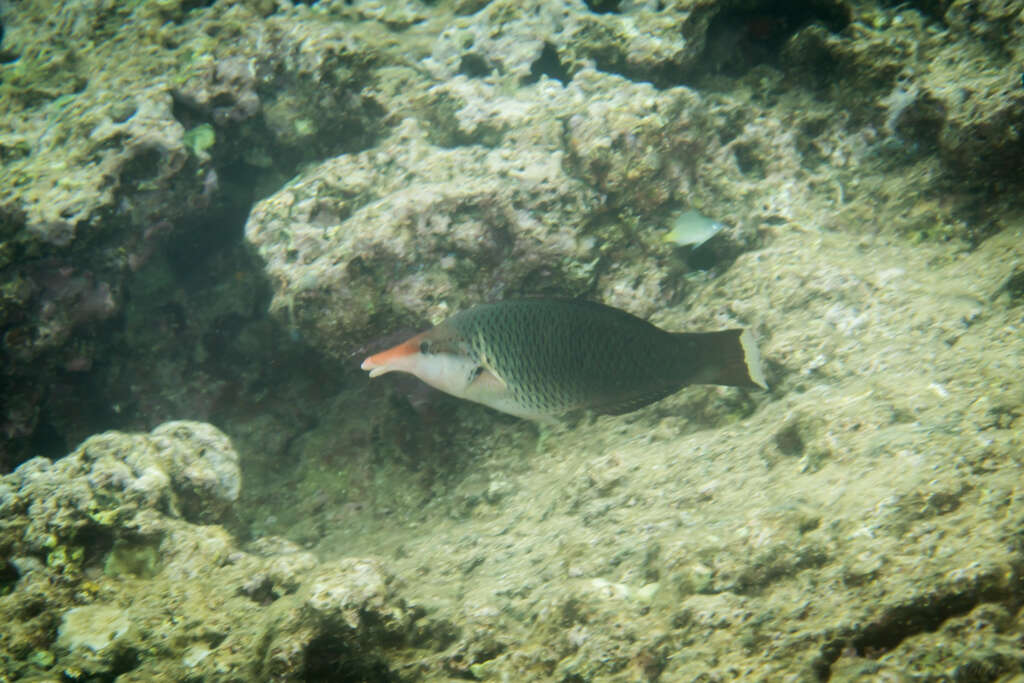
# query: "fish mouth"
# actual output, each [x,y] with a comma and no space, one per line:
[386,361]
[374,366]
[375,370]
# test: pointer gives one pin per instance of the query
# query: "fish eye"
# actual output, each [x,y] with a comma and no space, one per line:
[424,346]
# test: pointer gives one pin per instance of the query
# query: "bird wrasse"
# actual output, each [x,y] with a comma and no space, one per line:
[541,358]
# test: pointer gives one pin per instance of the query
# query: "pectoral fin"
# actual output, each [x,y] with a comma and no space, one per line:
[486,380]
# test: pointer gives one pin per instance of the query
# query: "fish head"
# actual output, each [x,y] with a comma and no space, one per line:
[438,357]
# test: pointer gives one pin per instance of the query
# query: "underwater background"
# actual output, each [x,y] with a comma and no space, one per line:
[212,211]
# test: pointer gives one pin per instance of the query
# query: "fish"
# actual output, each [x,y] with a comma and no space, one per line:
[692,228]
[540,359]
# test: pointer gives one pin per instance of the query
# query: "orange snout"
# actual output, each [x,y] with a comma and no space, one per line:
[389,360]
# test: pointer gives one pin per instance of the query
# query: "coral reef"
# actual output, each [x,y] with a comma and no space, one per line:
[752,115]
[102,177]
[111,540]
[209,211]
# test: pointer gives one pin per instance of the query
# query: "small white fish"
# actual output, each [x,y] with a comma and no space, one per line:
[692,228]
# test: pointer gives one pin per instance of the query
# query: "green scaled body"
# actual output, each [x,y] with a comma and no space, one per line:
[540,358]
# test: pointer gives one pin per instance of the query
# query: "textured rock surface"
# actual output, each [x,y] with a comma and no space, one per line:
[135,140]
[138,137]
[861,516]
[528,128]
[395,162]
[108,572]
[387,231]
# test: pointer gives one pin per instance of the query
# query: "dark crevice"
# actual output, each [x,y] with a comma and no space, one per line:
[749,161]
[603,6]
[469,7]
[739,37]
[8,577]
[789,441]
[1014,285]
[144,165]
[714,253]
[924,614]
[758,34]
[904,621]
[124,661]
[190,252]
[613,61]
[6,56]
[96,541]
[191,298]
[189,5]
[186,334]
[334,658]
[474,66]
[262,593]
[548,64]
[48,439]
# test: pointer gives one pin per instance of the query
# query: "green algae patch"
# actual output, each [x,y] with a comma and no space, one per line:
[200,139]
[140,560]
[65,558]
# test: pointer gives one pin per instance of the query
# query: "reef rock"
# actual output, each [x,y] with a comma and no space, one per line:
[113,552]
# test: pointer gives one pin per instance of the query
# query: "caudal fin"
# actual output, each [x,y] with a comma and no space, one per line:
[729,357]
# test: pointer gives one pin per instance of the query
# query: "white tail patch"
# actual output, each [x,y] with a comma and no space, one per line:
[753,359]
